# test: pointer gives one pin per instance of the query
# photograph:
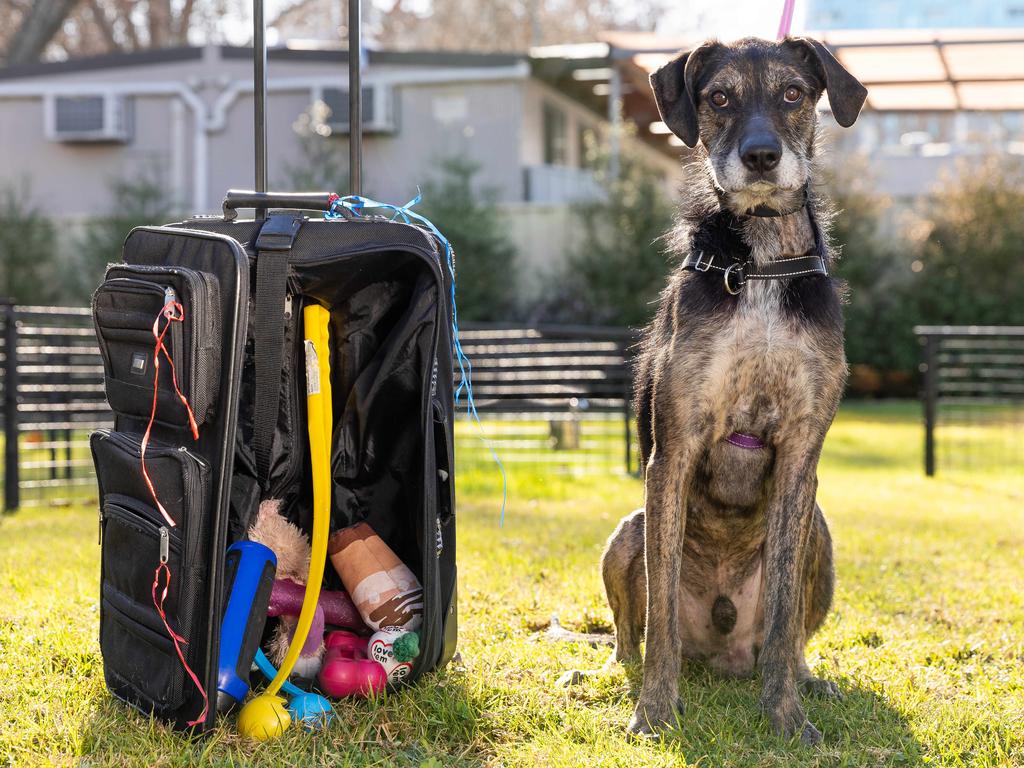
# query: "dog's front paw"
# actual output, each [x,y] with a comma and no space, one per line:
[788,719]
[815,686]
[649,718]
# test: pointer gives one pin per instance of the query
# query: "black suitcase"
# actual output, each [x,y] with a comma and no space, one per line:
[235,290]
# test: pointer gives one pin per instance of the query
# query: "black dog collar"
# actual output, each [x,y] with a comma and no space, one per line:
[718,246]
[735,273]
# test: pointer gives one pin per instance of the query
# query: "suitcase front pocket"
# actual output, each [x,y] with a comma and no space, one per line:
[139,659]
[127,307]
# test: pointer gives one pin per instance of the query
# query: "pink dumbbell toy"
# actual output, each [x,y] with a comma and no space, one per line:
[346,669]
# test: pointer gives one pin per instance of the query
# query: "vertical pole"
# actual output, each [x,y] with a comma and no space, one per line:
[615,118]
[626,404]
[12,498]
[931,392]
[355,98]
[625,421]
[259,82]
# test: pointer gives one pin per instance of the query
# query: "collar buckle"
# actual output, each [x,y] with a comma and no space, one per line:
[734,279]
[700,265]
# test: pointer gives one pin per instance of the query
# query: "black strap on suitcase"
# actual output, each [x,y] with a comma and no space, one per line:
[225,296]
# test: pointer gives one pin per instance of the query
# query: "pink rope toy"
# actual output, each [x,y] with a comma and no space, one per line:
[787,19]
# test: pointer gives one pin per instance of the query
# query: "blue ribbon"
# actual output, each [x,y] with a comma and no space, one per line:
[357,204]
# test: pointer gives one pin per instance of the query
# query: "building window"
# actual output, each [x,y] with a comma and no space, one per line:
[555,136]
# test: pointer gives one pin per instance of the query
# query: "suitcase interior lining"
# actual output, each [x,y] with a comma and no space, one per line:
[382,330]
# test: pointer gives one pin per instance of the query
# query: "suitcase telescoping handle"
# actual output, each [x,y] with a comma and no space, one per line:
[355,110]
[247,198]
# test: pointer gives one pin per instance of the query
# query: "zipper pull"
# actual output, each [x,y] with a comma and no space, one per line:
[170,299]
[165,544]
[288,306]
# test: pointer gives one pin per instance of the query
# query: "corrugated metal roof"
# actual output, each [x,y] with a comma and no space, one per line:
[916,70]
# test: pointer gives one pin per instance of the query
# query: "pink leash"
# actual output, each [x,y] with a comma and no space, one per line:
[787,18]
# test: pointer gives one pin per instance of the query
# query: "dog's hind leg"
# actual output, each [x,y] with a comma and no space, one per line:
[625,584]
[818,589]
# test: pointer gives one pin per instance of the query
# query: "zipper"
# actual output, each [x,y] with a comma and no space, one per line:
[124,509]
[165,544]
[298,395]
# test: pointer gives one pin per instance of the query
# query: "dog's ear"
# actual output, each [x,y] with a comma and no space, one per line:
[845,93]
[674,87]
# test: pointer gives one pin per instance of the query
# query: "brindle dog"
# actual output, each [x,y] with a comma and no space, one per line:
[730,560]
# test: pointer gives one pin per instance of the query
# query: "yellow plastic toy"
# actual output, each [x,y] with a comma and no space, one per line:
[265,716]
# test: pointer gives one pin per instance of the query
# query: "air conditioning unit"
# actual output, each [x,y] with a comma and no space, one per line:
[378,108]
[99,117]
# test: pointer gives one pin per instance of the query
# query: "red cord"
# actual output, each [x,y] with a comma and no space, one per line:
[172,312]
[175,637]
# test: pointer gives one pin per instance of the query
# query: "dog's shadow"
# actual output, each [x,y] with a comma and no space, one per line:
[722,723]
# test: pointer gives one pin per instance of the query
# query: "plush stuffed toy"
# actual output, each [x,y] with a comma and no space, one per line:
[293,553]
[383,588]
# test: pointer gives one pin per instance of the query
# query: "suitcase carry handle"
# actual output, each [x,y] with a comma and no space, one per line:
[247,198]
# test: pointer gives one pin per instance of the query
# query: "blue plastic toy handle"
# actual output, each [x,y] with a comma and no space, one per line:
[270,672]
[250,569]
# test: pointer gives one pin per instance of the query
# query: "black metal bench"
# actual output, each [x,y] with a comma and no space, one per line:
[561,374]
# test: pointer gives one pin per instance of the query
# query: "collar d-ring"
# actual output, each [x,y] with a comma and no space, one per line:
[728,273]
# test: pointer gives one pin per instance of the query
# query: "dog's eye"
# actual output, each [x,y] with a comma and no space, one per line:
[719,99]
[793,95]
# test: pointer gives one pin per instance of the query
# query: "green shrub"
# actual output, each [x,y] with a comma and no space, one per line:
[876,265]
[485,258]
[615,275]
[972,260]
[322,162]
[29,268]
[137,202]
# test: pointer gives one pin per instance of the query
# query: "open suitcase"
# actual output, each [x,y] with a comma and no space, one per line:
[237,351]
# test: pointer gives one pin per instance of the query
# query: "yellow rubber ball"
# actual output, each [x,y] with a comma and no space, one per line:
[264,717]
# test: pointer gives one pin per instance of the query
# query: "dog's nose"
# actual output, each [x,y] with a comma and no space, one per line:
[761,152]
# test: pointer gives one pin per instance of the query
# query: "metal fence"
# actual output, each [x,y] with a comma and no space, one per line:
[552,397]
[52,382]
[973,397]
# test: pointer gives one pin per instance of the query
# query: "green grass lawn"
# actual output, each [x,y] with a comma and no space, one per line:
[926,637]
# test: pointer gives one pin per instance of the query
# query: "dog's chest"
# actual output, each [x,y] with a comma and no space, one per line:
[763,364]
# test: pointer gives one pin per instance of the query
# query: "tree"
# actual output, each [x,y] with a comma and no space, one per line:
[29,273]
[970,265]
[485,258]
[38,24]
[876,266]
[497,25]
[70,28]
[616,274]
[322,164]
[138,201]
